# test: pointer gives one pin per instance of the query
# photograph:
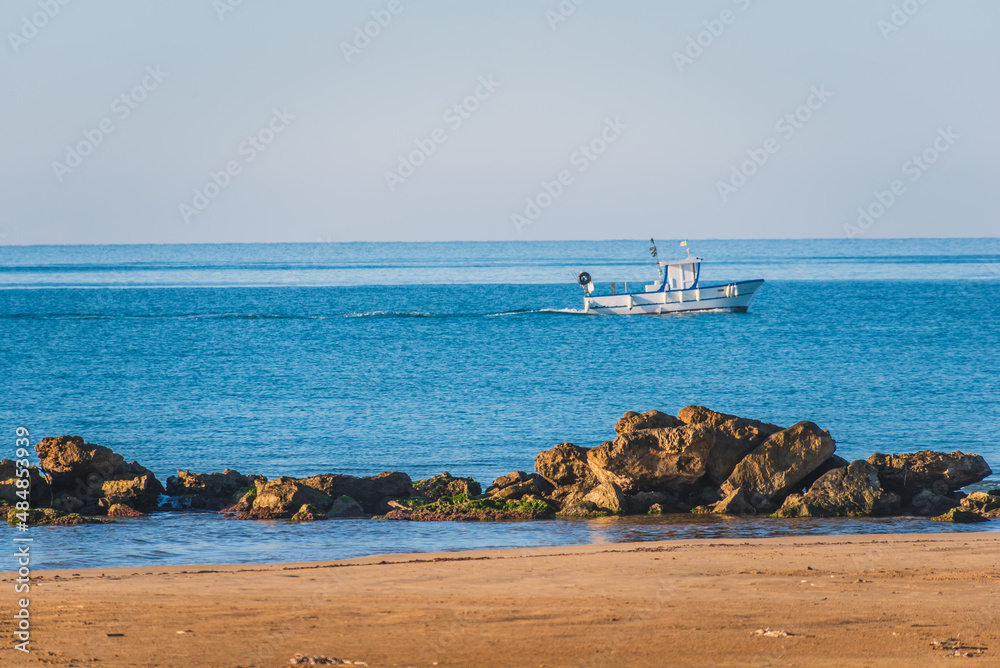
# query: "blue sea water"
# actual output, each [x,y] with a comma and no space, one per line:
[473,357]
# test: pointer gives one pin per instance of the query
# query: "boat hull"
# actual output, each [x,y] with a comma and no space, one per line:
[728,297]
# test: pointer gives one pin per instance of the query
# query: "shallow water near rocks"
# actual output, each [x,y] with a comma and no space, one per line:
[471,358]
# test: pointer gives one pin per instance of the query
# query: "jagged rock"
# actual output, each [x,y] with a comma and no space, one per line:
[652,419]
[369,491]
[446,484]
[607,496]
[210,485]
[308,513]
[67,458]
[959,516]
[735,438]
[907,474]
[927,503]
[519,484]
[739,502]
[133,488]
[345,506]
[984,503]
[50,517]
[851,491]
[280,498]
[775,467]
[658,509]
[834,462]
[565,464]
[39,492]
[123,510]
[653,459]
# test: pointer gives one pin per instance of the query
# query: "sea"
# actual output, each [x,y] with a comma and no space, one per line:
[472,357]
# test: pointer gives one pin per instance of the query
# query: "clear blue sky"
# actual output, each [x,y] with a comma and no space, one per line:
[666,120]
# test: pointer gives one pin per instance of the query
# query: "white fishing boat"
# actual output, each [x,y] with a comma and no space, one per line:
[677,289]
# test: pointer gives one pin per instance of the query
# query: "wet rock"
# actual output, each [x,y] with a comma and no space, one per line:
[652,419]
[776,466]
[927,503]
[739,502]
[462,508]
[959,516]
[209,490]
[735,438]
[308,513]
[910,473]
[565,464]
[670,460]
[447,485]
[368,491]
[641,503]
[984,503]
[519,484]
[134,485]
[50,517]
[123,510]
[345,506]
[852,491]
[39,492]
[608,497]
[280,498]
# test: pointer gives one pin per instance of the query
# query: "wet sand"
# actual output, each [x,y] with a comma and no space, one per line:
[879,600]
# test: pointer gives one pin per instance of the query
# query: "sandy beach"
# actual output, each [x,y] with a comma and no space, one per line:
[842,600]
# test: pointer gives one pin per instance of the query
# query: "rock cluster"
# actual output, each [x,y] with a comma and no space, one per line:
[698,461]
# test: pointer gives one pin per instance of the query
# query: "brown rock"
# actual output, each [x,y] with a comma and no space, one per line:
[652,419]
[123,510]
[133,488]
[908,474]
[446,484]
[368,491]
[607,496]
[775,467]
[517,485]
[739,502]
[565,464]
[281,498]
[653,459]
[210,485]
[852,491]
[927,503]
[67,458]
[735,438]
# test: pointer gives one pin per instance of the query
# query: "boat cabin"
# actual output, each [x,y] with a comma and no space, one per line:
[680,275]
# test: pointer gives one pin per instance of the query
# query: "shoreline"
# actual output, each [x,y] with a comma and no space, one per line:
[842,599]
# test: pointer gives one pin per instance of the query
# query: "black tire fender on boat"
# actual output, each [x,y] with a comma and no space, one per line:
[583,279]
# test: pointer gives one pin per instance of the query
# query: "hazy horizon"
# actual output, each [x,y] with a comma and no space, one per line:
[216,121]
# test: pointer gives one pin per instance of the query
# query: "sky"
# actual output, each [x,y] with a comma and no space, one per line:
[206,121]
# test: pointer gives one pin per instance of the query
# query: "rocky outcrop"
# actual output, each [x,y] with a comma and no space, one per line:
[446,484]
[851,491]
[518,485]
[280,498]
[734,438]
[564,465]
[976,507]
[908,474]
[92,478]
[209,490]
[775,467]
[652,419]
[664,459]
[39,493]
[370,492]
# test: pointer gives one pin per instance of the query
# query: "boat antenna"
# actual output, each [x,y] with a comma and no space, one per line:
[684,244]
[652,251]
